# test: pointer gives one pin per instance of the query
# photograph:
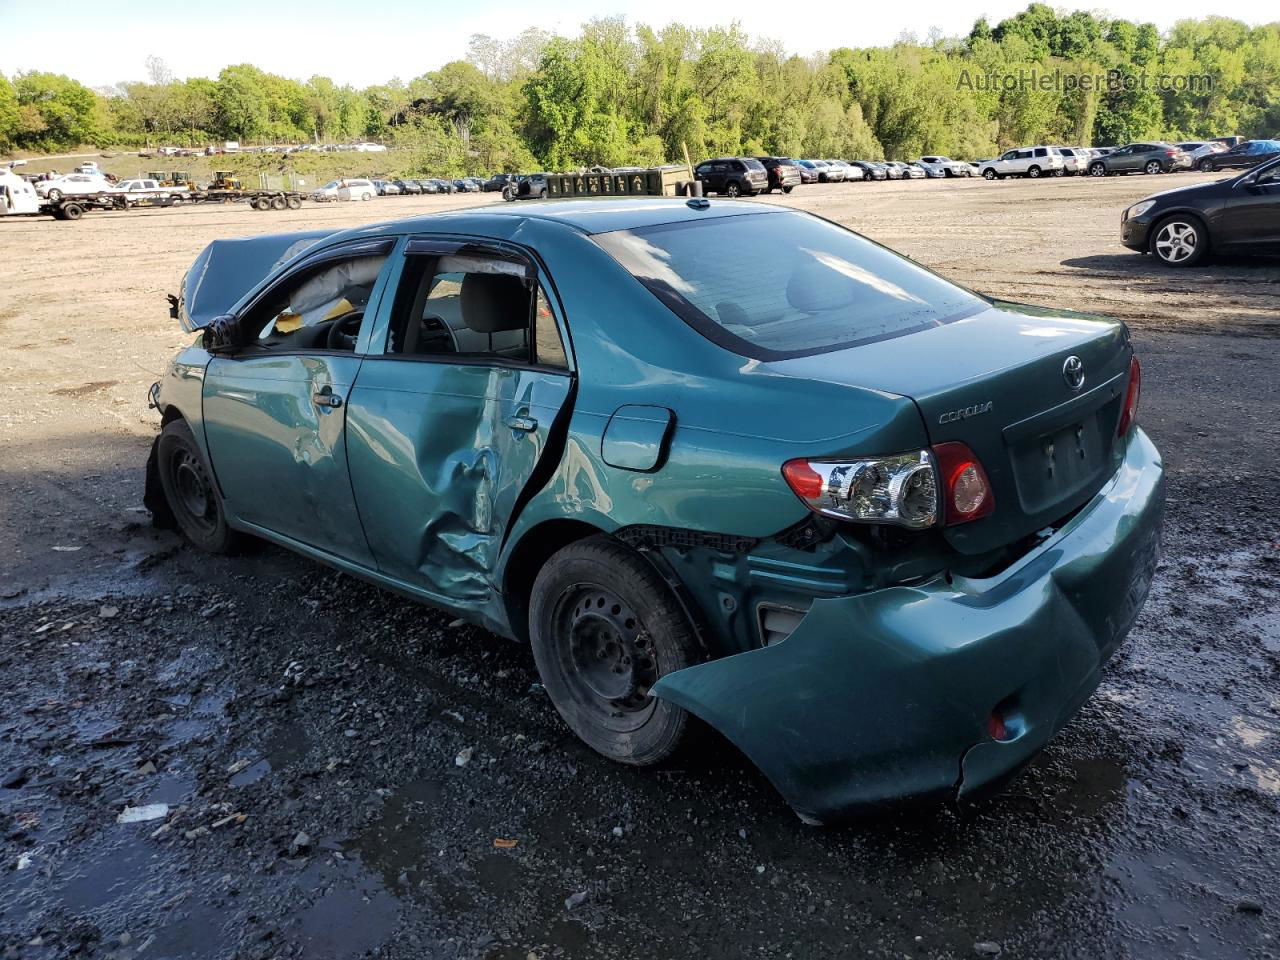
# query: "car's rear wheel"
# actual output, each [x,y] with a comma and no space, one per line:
[732,190]
[1097,169]
[1154,167]
[190,490]
[55,195]
[1179,241]
[788,189]
[1033,172]
[1205,165]
[604,628]
[988,174]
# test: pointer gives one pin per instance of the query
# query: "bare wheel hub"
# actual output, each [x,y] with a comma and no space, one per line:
[610,652]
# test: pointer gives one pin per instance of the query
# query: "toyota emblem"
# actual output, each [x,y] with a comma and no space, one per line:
[1073,372]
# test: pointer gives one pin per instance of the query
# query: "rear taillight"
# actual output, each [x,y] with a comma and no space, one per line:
[966,491]
[1129,415]
[927,488]
[900,490]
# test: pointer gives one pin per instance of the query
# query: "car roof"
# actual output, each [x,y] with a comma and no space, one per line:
[588,216]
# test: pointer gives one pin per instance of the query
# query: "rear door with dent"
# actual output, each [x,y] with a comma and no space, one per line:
[454,411]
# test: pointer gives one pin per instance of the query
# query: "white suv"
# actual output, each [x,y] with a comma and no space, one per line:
[1025,162]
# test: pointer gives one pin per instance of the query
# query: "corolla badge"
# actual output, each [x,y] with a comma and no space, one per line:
[964,413]
[1073,372]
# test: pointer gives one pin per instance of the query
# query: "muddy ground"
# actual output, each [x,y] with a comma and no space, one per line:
[306,730]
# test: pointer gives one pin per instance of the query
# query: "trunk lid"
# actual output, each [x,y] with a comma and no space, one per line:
[996,381]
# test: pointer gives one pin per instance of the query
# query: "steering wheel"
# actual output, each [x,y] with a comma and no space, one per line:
[343,331]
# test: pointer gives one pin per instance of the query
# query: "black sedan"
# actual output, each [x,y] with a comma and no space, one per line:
[1180,227]
[1241,156]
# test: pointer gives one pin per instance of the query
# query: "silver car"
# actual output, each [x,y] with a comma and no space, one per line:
[944,167]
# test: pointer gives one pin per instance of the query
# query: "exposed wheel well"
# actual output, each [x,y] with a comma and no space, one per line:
[534,549]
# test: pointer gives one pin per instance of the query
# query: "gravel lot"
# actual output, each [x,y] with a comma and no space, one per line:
[347,773]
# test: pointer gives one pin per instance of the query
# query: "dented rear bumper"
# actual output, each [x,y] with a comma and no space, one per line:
[886,696]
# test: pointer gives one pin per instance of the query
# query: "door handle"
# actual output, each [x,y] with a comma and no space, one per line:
[325,397]
[527,424]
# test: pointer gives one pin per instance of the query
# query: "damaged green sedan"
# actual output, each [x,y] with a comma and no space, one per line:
[711,459]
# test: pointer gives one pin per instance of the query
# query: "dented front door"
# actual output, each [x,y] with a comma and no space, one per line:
[274,426]
[440,452]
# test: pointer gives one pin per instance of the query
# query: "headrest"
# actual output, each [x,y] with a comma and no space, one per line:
[493,302]
[814,288]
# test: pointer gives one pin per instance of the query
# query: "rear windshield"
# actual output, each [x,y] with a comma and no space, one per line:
[777,286]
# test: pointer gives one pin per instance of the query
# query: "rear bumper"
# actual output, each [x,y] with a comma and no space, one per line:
[885,697]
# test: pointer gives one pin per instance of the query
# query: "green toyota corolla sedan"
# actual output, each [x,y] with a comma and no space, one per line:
[710,459]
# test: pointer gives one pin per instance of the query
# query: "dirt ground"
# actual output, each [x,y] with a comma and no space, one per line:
[307,731]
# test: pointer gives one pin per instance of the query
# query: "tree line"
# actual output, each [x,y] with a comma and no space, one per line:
[620,94]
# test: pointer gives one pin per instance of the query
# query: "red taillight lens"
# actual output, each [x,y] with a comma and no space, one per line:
[803,479]
[966,491]
[1130,414]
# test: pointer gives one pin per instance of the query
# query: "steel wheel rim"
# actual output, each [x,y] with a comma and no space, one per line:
[607,657]
[194,494]
[1176,241]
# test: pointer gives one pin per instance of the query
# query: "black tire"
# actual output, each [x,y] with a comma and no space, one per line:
[1153,167]
[277,203]
[294,203]
[1205,165]
[604,627]
[1097,169]
[787,189]
[542,194]
[190,490]
[732,189]
[1033,172]
[988,174]
[1179,241]
[55,195]
[1060,172]
[72,211]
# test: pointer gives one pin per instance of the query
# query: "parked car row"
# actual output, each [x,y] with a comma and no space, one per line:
[366,189]
[1150,157]
[745,176]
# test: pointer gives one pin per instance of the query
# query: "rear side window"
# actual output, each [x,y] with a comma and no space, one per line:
[777,286]
[754,165]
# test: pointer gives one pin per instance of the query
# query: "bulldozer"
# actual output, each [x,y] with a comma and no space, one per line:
[225,180]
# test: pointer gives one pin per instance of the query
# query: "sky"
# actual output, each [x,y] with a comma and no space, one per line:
[364,44]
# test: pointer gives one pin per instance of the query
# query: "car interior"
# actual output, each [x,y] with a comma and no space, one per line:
[467,305]
[323,311]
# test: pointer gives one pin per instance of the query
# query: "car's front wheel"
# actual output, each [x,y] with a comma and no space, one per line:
[604,628]
[1154,167]
[988,174]
[1179,241]
[190,490]
[1097,169]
